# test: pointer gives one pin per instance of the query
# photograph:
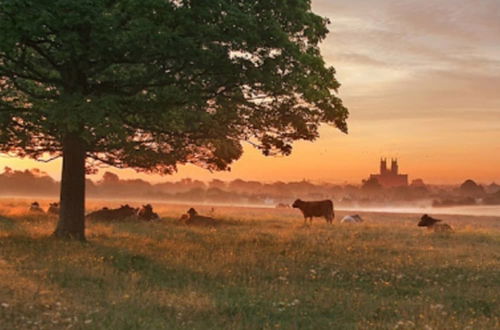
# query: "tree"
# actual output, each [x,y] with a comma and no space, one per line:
[150,84]
[470,187]
[217,184]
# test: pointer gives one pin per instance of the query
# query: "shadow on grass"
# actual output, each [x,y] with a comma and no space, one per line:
[8,223]
[151,271]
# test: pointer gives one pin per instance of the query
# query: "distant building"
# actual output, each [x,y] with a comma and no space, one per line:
[390,178]
[418,183]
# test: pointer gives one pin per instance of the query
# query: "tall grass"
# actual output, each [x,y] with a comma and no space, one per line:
[259,268]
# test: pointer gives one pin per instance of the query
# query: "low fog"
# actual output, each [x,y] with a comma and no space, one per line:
[368,195]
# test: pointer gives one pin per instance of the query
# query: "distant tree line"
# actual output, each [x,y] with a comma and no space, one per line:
[37,183]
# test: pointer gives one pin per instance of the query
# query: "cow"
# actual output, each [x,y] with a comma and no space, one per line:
[121,213]
[193,218]
[315,209]
[433,224]
[53,209]
[351,219]
[35,208]
[146,213]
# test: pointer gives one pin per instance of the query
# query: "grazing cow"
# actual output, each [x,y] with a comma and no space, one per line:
[351,219]
[146,213]
[433,224]
[35,208]
[121,213]
[315,209]
[193,218]
[53,209]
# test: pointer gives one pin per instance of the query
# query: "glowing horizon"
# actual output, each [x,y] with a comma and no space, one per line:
[421,83]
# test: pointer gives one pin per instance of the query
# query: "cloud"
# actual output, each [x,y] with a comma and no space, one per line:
[408,59]
[411,31]
[357,59]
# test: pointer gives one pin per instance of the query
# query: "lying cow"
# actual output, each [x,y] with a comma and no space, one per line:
[315,209]
[106,214]
[53,209]
[35,208]
[351,219]
[193,218]
[146,213]
[433,224]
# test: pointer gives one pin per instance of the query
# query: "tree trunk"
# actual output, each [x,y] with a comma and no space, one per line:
[71,223]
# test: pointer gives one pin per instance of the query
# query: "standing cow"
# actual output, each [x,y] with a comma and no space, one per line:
[315,209]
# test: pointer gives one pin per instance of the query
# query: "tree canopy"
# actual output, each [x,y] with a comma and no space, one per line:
[151,84]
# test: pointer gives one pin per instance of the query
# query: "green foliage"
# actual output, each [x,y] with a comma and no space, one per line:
[150,84]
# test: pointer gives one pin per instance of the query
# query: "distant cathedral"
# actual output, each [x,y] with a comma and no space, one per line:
[390,178]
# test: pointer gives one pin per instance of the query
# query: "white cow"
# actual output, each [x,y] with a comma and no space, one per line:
[351,219]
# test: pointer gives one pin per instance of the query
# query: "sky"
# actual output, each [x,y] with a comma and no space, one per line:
[421,80]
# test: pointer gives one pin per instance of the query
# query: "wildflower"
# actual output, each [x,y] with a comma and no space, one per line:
[404,324]
[399,324]
[437,307]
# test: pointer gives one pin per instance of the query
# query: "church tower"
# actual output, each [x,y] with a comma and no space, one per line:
[390,177]
[394,166]
[383,166]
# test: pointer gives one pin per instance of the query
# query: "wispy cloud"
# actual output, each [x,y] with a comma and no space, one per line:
[437,54]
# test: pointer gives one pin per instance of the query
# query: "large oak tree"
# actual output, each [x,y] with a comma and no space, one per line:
[150,84]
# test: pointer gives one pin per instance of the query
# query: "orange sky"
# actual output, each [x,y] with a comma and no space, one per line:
[422,83]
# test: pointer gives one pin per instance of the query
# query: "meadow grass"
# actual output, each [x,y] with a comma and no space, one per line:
[258,269]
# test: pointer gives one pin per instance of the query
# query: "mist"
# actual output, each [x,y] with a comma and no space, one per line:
[469,198]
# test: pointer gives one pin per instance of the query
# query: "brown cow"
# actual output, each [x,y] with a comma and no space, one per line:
[433,224]
[193,218]
[146,213]
[315,209]
[35,208]
[121,213]
[53,209]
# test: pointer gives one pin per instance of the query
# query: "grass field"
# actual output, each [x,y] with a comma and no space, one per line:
[258,269]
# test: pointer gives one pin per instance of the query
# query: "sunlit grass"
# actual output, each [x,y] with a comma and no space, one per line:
[260,268]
